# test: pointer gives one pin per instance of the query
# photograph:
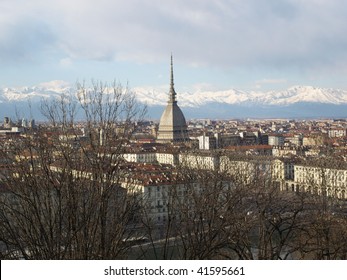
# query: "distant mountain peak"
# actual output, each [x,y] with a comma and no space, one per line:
[295,96]
[292,95]
[44,90]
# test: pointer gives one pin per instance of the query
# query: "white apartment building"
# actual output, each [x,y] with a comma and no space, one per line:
[160,198]
[289,176]
[140,157]
[167,158]
[295,140]
[279,151]
[282,170]
[276,140]
[199,161]
[159,157]
[337,132]
[320,180]
[154,197]
[207,142]
[245,170]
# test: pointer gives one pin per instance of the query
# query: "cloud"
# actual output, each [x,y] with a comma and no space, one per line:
[65,62]
[227,34]
[24,41]
[24,35]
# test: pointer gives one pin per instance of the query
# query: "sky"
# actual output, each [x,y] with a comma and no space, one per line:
[217,45]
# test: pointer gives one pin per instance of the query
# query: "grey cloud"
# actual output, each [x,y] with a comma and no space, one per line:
[24,41]
[221,33]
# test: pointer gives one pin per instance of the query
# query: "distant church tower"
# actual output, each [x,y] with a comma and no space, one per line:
[172,126]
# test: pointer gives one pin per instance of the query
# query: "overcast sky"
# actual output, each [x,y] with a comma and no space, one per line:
[219,44]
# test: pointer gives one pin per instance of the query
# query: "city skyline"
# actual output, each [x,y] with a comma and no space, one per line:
[249,45]
[233,149]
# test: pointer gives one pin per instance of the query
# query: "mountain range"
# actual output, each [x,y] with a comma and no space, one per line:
[294,102]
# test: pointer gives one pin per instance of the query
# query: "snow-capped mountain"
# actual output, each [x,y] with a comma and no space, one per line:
[36,93]
[290,96]
[306,94]
[305,101]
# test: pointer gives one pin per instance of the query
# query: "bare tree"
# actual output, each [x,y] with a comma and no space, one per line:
[66,194]
[235,212]
[62,196]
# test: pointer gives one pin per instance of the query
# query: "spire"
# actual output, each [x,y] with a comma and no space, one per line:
[172,89]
